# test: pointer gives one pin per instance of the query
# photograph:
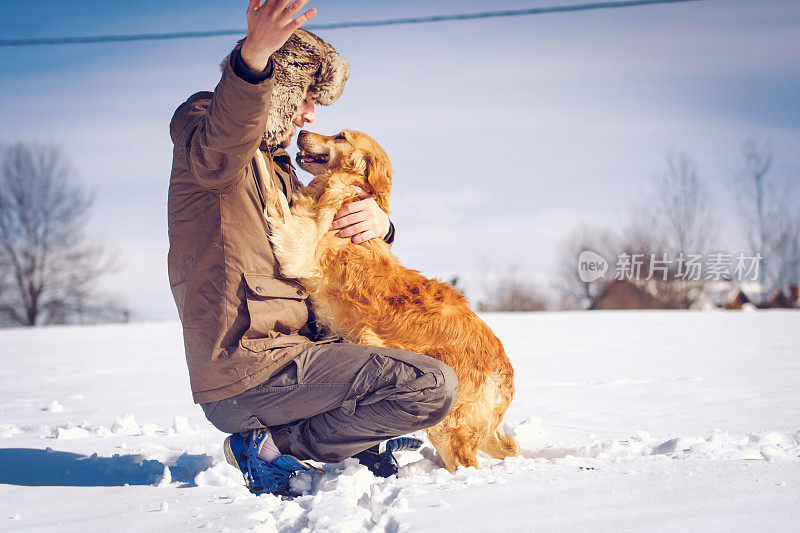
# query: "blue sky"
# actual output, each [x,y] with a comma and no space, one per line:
[504,133]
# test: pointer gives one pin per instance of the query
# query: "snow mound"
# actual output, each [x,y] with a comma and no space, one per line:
[720,445]
[126,425]
[71,433]
[220,474]
[54,407]
[70,430]
[9,430]
[180,426]
[347,497]
[528,431]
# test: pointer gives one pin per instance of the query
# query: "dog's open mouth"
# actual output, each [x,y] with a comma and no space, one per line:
[308,157]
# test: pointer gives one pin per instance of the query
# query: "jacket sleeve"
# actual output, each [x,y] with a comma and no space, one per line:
[219,142]
[389,237]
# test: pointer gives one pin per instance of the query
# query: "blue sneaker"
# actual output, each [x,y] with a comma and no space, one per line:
[241,451]
[384,464]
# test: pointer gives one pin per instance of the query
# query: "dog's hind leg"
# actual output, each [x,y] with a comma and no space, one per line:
[497,443]
[500,445]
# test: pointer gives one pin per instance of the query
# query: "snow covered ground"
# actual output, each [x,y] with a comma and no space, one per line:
[657,421]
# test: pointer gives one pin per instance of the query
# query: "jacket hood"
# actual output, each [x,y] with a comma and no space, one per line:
[304,63]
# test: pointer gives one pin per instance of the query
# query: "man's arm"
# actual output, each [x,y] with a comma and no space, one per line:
[219,146]
[219,140]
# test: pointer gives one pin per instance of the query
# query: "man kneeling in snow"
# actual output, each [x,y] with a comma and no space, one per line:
[257,365]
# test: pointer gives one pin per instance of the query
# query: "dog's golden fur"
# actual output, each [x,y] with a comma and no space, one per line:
[364,294]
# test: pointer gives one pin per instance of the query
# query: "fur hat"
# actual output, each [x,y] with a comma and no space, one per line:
[304,63]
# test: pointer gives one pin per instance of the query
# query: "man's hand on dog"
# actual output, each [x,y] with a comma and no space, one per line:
[269,26]
[361,220]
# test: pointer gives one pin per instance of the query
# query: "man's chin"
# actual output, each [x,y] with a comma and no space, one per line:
[287,139]
[285,143]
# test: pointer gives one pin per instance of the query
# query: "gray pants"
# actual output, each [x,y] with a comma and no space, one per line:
[335,400]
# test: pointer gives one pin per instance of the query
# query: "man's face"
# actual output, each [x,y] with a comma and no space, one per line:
[304,115]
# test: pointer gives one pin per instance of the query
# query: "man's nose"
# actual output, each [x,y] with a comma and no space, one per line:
[307,112]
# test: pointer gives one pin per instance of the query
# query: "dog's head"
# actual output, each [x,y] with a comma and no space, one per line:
[349,151]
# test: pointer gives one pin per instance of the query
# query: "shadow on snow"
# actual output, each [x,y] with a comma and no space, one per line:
[34,467]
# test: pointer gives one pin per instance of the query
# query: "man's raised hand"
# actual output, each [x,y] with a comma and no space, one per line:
[269,26]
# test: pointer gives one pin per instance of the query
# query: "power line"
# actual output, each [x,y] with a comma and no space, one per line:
[336,25]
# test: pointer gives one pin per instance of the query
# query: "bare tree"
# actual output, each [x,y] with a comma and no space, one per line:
[48,269]
[787,251]
[682,203]
[576,293]
[770,221]
[657,270]
[674,220]
[511,292]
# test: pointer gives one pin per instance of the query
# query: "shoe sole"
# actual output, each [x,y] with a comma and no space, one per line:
[229,456]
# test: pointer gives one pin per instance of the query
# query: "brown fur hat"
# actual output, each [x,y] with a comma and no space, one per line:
[304,63]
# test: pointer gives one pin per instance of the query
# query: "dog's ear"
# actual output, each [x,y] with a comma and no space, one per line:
[378,171]
[379,178]
[357,162]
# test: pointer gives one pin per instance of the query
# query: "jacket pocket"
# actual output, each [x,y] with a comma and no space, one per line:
[277,310]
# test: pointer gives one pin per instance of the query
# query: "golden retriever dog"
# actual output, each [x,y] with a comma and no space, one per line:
[362,292]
